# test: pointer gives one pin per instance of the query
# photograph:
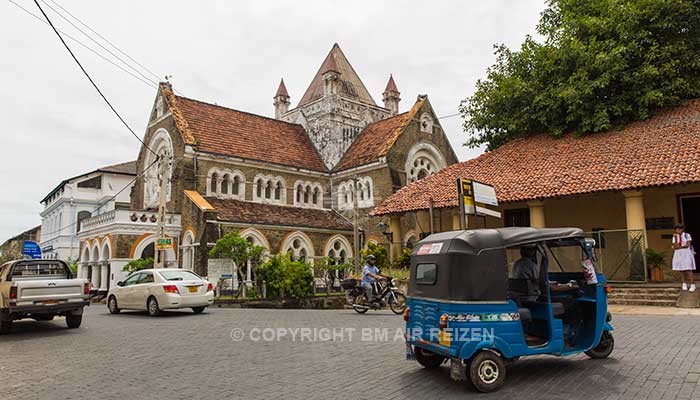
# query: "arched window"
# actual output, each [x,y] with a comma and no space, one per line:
[339,249]
[426,123]
[423,159]
[316,196]
[278,190]
[213,185]
[307,189]
[299,247]
[299,193]
[268,189]
[259,188]
[236,183]
[82,216]
[161,146]
[225,184]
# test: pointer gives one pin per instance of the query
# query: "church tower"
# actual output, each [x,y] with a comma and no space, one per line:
[281,100]
[391,96]
[335,107]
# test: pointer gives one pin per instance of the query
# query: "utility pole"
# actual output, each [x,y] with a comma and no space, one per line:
[163,164]
[355,229]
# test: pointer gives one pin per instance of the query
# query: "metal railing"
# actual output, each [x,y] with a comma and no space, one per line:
[621,254]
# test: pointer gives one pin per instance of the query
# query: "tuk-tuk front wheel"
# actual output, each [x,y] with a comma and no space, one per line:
[428,359]
[487,371]
[604,348]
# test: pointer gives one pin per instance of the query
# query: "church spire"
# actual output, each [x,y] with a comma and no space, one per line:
[281,100]
[391,96]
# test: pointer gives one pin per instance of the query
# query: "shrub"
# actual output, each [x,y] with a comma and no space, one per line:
[285,277]
[403,260]
[655,258]
[137,265]
[378,251]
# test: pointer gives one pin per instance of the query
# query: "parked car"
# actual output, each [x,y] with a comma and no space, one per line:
[154,290]
[41,290]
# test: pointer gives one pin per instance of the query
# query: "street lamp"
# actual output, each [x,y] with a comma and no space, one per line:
[389,235]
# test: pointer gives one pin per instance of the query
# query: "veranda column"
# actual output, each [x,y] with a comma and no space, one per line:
[82,270]
[397,236]
[248,274]
[536,213]
[634,212]
[456,223]
[104,277]
[95,269]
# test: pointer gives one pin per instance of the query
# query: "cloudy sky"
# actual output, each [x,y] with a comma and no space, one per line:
[233,53]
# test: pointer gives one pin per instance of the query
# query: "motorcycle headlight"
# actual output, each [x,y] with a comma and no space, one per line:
[394,282]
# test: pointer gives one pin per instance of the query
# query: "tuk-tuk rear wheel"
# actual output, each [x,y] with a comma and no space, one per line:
[604,348]
[487,371]
[428,359]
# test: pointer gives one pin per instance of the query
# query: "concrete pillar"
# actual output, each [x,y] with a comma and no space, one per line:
[634,212]
[82,270]
[397,236]
[95,275]
[248,274]
[104,277]
[536,214]
[423,222]
[456,222]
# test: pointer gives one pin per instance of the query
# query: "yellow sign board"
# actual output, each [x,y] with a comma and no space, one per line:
[164,243]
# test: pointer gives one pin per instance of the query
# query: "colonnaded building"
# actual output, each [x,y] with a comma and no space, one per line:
[289,184]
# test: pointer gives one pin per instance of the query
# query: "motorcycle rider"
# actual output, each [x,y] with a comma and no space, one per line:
[370,274]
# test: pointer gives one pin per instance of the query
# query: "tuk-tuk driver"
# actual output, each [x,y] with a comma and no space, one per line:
[370,273]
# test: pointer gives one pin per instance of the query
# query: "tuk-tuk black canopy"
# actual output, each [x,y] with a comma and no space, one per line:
[471,265]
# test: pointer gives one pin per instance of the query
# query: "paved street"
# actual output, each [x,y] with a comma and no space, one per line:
[186,356]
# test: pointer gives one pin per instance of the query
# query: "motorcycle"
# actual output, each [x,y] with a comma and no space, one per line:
[385,293]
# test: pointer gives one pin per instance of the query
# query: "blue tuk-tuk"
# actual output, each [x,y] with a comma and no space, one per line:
[483,298]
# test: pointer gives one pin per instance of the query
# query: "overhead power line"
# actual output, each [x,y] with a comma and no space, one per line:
[38,18]
[106,40]
[99,44]
[90,79]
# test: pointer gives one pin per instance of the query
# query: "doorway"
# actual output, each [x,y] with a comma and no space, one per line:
[690,217]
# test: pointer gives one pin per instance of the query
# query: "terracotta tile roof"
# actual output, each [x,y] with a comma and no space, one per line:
[391,85]
[351,85]
[282,89]
[664,150]
[221,130]
[268,214]
[376,139]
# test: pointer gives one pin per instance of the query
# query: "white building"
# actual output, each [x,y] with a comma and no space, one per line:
[78,198]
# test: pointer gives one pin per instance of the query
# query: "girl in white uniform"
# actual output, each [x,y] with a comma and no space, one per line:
[683,256]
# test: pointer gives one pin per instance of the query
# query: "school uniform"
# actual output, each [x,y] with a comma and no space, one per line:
[683,259]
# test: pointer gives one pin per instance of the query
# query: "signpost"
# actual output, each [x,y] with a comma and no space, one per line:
[164,243]
[474,197]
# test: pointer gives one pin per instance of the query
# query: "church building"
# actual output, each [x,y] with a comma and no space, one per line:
[293,183]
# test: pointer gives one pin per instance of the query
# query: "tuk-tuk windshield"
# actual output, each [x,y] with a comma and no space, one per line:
[561,256]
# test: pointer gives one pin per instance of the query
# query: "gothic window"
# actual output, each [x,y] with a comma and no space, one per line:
[339,249]
[161,145]
[316,196]
[225,185]
[424,159]
[236,183]
[214,183]
[306,194]
[299,194]
[278,190]
[299,247]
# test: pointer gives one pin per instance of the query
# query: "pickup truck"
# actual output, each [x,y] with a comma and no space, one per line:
[41,290]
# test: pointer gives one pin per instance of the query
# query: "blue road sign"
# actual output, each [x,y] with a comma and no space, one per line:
[31,249]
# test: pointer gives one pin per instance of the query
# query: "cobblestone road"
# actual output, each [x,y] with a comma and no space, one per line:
[186,356]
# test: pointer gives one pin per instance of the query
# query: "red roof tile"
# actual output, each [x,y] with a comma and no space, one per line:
[268,214]
[664,150]
[376,139]
[221,130]
[351,85]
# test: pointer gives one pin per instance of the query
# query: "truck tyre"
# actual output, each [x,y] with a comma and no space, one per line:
[73,321]
[198,310]
[152,307]
[487,371]
[5,327]
[428,359]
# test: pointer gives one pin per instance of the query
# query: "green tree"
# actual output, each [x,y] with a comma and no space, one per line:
[378,251]
[238,249]
[330,268]
[137,265]
[601,64]
[286,278]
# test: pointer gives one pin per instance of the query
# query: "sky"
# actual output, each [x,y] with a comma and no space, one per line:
[232,53]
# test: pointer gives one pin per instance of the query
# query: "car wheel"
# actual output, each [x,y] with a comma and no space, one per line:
[198,310]
[604,348]
[152,306]
[5,327]
[73,321]
[487,371]
[112,305]
[428,359]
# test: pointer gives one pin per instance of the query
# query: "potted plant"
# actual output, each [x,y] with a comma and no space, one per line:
[656,261]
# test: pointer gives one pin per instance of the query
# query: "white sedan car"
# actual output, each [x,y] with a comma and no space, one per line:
[154,290]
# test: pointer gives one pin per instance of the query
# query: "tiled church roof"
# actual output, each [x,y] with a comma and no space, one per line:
[376,139]
[350,84]
[232,210]
[220,130]
[664,150]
